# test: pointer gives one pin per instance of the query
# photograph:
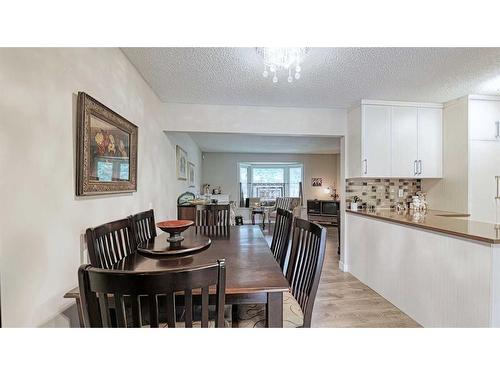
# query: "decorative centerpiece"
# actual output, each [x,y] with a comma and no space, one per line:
[175,228]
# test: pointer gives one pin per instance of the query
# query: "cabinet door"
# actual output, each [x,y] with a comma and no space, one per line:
[404,141]
[430,142]
[484,119]
[484,166]
[376,141]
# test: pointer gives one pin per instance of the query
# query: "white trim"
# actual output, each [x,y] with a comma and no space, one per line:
[343,267]
[401,104]
[484,97]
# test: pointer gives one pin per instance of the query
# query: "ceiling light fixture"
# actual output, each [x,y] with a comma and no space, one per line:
[278,59]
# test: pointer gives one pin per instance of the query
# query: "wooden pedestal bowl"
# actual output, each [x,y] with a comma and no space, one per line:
[174,228]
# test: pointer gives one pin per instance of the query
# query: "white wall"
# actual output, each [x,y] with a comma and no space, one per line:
[257,120]
[221,168]
[42,221]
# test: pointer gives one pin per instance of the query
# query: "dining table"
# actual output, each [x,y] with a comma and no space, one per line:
[252,274]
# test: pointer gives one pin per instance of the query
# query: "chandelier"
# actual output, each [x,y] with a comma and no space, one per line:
[282,59]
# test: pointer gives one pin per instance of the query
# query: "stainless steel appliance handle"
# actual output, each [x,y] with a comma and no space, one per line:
[415,168]
[498,129]
[366,166]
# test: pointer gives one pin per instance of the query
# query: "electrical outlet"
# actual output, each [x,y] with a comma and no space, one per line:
[400,193]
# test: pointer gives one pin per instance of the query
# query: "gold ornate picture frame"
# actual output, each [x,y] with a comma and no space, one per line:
[106,161]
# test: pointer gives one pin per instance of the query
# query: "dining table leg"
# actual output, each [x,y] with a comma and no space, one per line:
[274,310]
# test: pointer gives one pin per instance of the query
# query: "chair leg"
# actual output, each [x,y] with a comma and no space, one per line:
[234,316]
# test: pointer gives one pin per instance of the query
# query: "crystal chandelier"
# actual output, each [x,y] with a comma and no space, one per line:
[279,59]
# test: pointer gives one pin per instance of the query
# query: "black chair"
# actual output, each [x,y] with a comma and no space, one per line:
[213,219]
[100,288]
[305,265]
[144,226]
[109,243]
[281,236]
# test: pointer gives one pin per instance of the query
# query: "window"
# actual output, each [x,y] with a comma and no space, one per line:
[269,181]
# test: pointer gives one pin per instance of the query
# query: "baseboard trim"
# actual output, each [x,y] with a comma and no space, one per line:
[343,267]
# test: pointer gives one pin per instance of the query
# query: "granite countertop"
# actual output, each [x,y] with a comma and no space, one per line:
[439,221]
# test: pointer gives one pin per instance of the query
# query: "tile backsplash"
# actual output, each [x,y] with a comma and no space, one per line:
[382,192]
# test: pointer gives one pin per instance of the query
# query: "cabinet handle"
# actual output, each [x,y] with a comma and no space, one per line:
[498,187]
[420,167]
[498,129]
[415,168]
[366,166]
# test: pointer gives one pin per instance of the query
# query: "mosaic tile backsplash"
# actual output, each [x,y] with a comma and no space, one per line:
[382,192]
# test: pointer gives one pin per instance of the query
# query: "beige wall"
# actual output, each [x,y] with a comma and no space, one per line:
[42,221]
[222,169]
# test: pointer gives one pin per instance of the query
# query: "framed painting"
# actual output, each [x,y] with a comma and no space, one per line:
[106,161]
[181,161]
[191,174]
[317,181]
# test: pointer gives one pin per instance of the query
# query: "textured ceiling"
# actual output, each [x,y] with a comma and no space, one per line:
[249,143]
[331,77]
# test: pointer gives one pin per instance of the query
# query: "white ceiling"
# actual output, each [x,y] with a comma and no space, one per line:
[331,77]
[250,143]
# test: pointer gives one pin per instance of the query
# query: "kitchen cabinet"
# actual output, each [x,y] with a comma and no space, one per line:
[376,144]
[484,118]
[394,140]
[404,131]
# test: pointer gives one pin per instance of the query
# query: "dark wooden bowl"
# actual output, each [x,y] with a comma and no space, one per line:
[174,228]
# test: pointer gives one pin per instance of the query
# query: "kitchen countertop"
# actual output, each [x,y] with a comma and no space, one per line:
[434,220]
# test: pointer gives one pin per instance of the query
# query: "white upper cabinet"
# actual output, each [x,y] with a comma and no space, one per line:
[404,141]
[395,139]
[376,141]
[484,120]
[430,143]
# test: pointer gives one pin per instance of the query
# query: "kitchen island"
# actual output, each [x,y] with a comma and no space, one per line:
[440,268]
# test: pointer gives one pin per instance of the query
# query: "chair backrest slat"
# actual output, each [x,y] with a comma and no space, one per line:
[281,236]
[110,242]
[305,264]
[213,219]
[138,292]
[144,226]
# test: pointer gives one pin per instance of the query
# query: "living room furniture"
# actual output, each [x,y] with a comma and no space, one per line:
[186,212]
[284,203]
[143,290]
[245,251]
[259,211]
[325,212]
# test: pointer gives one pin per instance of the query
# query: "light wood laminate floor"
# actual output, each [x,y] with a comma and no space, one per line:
[344,301]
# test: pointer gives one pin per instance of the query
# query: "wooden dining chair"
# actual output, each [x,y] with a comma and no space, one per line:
[285,203]
[303,273]
[213,219]
[101,288]
[281,236]
[109,243]
[144,226]
[306,262]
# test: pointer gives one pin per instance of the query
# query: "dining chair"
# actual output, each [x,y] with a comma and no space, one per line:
[101,288]
[108,243]
[281,236]
[144,226]
[213,219]
[303,273]
[285,203]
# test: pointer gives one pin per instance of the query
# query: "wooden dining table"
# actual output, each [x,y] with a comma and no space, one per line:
[252,274]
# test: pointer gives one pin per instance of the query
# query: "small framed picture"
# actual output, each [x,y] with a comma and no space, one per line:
[181,161]
[191,174]
[317,181]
